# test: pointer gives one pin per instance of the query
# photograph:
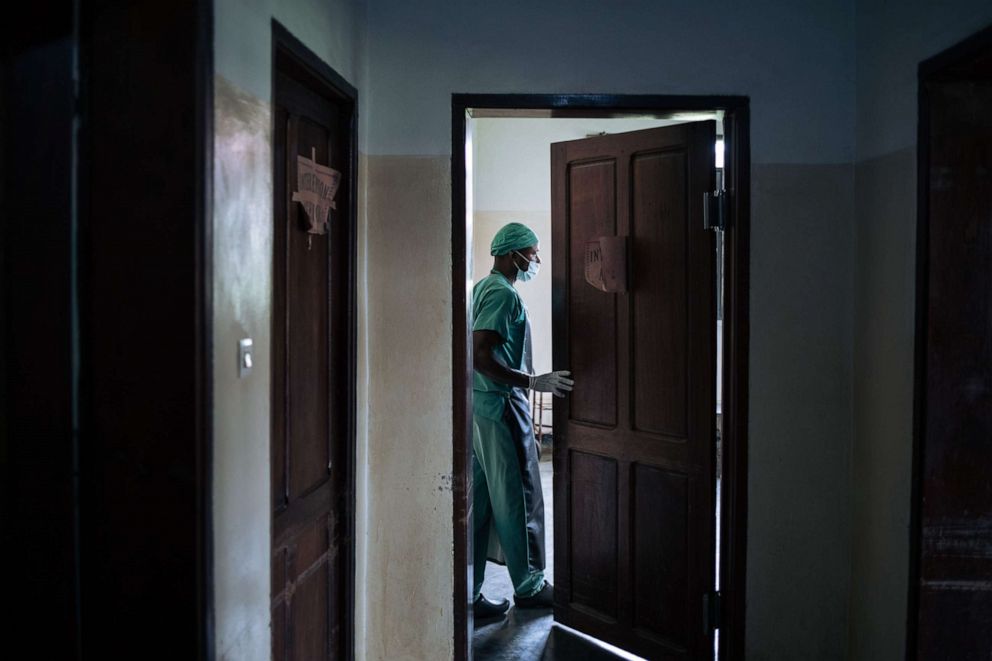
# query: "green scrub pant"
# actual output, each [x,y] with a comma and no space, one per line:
[506,494]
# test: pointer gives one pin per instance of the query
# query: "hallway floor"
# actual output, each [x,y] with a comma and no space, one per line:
[531,634]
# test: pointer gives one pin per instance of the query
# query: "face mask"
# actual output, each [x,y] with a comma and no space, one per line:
[533,268]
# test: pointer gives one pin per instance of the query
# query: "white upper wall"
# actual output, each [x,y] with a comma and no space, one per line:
[892,39]
[333,29]
[794,59]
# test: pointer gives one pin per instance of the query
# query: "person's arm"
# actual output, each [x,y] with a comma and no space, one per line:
[483,343]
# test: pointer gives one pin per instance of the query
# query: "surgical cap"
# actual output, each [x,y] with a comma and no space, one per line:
[513,236]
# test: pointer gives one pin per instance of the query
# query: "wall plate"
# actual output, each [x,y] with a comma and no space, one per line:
[245,357]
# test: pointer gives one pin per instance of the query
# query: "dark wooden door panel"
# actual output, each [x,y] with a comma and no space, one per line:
[310,599]
[659,563]
[592,203]
[634,443]
[954,618]
[310,384]
[659,356]
[308,369]
[592,545]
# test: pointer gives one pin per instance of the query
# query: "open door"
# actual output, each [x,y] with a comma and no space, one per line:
[634,448]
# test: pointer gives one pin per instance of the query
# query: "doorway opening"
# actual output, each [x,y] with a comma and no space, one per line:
[502,172]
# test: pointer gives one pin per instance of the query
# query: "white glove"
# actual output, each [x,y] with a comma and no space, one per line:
[556,383]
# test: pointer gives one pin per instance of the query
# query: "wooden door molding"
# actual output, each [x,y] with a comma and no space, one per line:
[294,64]
[736,319]
[963,543]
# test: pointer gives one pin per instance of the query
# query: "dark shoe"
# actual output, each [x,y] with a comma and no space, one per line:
[545,598]
[482,608]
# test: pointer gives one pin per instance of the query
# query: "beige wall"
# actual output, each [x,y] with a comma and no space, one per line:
[883,385]
[409,559]
[800,390]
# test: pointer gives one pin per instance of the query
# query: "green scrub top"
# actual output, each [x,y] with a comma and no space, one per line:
[497,306]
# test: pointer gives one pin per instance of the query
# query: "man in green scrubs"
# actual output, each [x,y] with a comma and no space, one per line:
[506,487]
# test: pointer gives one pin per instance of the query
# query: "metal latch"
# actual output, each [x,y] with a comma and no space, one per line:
[715,210]
[712,607]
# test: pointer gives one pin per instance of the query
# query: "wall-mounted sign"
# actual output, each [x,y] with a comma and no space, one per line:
[606,263]
[316,187]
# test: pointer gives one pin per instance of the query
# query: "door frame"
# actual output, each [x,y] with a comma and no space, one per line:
[161,473]
[337,88]
[737,181]
[948,64]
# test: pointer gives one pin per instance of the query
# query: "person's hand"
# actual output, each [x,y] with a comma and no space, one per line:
[556,383]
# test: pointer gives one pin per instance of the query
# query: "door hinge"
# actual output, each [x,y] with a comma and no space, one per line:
[712,607]
[715,210]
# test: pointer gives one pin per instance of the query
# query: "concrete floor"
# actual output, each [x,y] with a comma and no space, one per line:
[531,634]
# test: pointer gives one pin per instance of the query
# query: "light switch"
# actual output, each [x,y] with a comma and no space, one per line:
[244,357]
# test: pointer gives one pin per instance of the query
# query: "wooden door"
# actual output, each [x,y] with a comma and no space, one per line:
[953,540]
[310,386]
[634,444]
